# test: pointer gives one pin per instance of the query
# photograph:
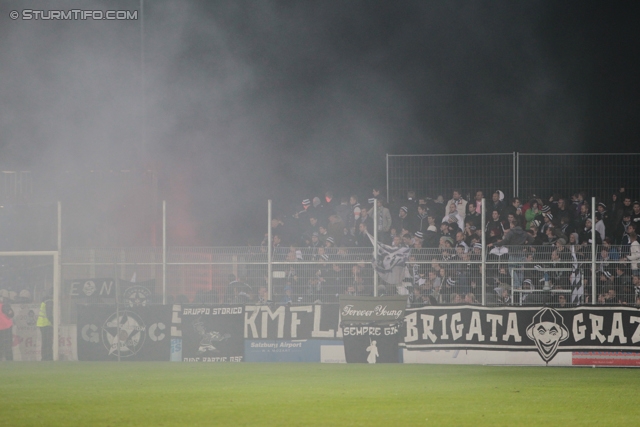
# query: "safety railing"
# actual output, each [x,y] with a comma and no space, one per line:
[512,274]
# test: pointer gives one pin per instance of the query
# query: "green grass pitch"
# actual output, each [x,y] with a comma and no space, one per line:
[245,394]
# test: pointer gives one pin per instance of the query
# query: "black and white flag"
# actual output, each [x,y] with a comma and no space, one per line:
[390,262]
[577,293]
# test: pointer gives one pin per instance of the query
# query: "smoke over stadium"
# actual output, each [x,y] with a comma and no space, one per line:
[217,106]
[453,183]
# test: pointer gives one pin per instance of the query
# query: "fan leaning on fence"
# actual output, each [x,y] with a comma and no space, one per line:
[515,237]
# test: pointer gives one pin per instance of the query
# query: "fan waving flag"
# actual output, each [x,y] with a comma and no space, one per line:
[390,262]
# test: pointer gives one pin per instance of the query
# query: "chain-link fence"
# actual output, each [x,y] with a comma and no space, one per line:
[28,226]
[515,174]
[112,207]
[25,278]
[599,175]
[433,175]
[563,274]
[546,274]
[16,185]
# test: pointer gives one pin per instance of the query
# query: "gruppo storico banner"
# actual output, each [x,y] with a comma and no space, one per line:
[371,328]
[106,332]
[211,333]
[545,330]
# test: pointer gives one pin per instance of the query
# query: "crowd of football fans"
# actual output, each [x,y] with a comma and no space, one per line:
[538,250]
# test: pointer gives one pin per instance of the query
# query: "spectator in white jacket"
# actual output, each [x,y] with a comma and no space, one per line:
[461,204]
[453,216]
[600,227]
[634,250]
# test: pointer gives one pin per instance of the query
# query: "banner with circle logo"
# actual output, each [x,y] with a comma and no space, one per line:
[107,332]
[136,294]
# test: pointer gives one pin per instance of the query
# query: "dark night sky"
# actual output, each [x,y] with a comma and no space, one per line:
[250,100]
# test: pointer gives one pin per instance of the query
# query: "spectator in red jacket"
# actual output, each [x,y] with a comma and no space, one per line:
[6,334]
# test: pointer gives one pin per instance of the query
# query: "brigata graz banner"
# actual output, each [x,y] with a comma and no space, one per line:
[298,322]
[140,333]
[212,333]
[545,329]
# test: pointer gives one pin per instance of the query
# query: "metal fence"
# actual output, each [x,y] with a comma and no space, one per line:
[114,207]
[515,174]
[28,226]
[559,275]
[25,278]
[16,185]
[599,175]
[547,274]
[433,175]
